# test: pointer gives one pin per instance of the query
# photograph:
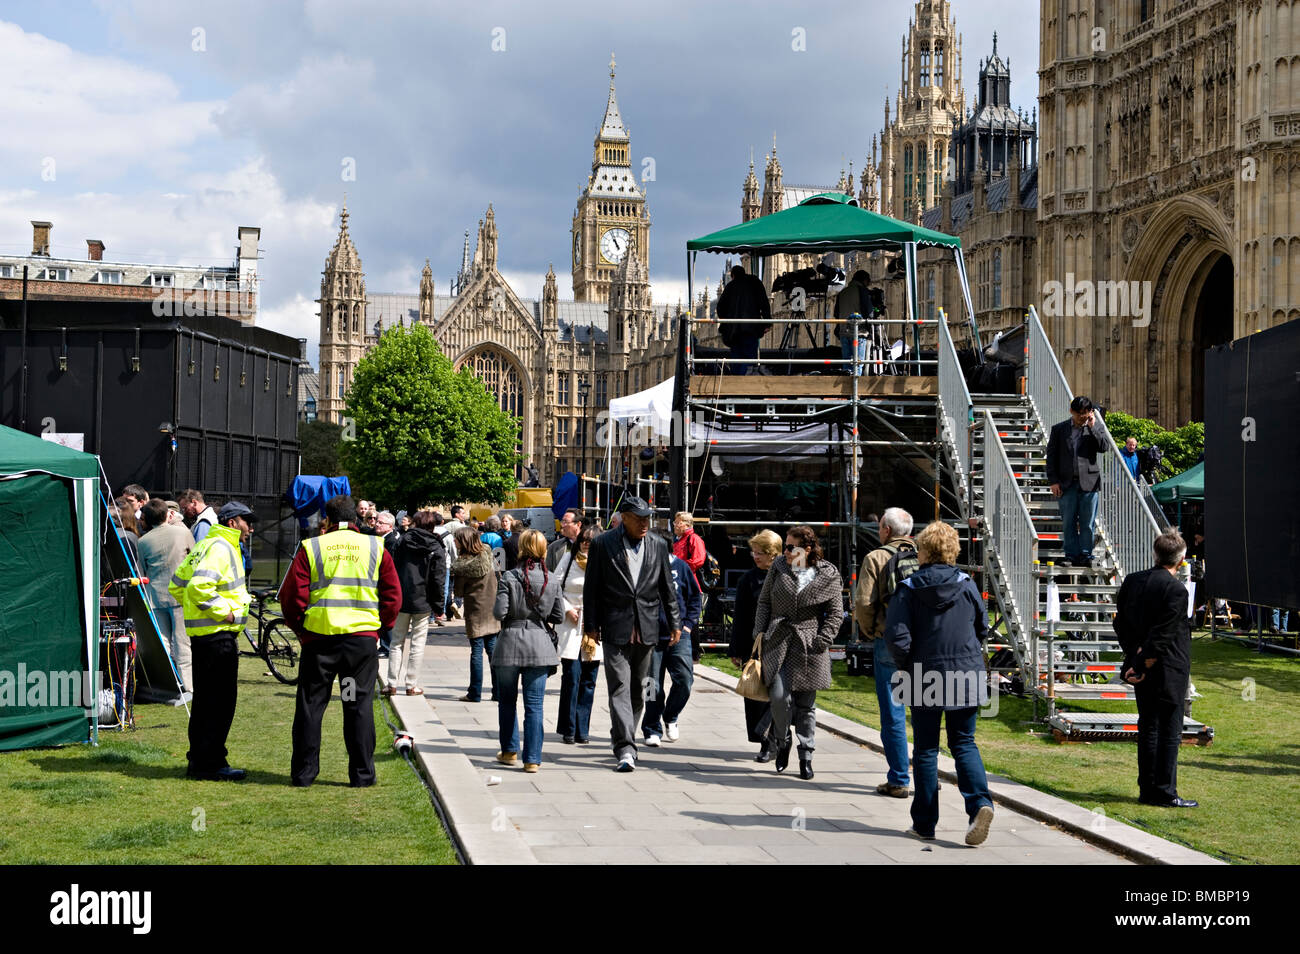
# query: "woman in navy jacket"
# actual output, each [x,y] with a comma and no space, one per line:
[935,626]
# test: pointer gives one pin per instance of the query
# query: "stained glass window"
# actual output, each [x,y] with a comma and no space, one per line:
[498,374]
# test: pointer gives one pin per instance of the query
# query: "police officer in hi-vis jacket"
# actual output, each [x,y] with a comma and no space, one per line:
[213,593]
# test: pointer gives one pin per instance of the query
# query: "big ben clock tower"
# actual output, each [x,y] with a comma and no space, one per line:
[611,216]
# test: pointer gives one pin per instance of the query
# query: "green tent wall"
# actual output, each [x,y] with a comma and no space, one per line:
[49,585]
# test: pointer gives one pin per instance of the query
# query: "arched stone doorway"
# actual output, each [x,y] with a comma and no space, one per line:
[1183,260]
[507,381]
[1212,318]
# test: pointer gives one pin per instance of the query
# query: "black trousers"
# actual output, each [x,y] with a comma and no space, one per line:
[215,661]
[1160,732]
[355,661]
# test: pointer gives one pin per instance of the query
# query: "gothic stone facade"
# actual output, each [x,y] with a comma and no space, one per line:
[1170,156]
[553,364]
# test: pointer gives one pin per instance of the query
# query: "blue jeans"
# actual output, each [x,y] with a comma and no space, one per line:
[1079,520]
[577,693]
[476,646]
[507,682]
[846,352]
[1280,619]
[971,780]
[675,661]
[893,716]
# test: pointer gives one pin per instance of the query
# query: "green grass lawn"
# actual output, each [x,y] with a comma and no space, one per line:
[1247,781]
[127,801]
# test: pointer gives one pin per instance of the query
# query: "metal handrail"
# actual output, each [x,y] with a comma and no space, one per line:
[1045,381]
[955,406]
[1010,535]
[1122,513]
[1123,517]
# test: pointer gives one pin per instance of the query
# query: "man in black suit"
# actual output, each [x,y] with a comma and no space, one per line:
[629,582]
[745,296]
[1074,474]
[1154,630]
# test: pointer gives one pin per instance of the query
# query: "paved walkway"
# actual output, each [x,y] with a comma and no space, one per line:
[699,800]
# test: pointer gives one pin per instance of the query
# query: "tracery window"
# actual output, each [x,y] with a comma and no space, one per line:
[498,374]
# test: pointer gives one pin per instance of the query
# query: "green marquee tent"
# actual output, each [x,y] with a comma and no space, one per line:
[833,222]
[49,587]
[1189,485]
[825,222]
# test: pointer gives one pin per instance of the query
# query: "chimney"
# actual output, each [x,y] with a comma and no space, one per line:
[94,250]
[41,237]
[246,258]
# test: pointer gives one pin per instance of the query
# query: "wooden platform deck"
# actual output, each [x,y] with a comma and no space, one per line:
[713,386]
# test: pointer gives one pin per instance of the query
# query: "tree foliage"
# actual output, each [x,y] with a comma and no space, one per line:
[1182,448]
[318,443]
[426,433]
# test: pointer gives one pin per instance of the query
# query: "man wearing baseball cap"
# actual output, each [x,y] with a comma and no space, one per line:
[213,593]
[629,584]
[341,590]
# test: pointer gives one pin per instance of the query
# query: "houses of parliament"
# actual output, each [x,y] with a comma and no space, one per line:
[553,363]
[1164,148]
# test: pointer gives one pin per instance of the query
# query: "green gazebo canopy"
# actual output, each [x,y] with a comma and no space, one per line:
[1189,485]
[825,222]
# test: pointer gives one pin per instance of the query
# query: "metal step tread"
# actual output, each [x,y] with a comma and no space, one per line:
[1094,691]
[1118,724]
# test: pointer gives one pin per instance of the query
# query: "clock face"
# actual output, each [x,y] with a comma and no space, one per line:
[614,243]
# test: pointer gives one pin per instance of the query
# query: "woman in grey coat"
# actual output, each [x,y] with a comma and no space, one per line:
[799,612]
[528,597]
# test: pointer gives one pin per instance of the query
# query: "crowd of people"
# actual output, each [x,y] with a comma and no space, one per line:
[625,600]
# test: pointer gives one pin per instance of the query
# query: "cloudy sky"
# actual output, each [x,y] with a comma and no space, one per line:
[159,126]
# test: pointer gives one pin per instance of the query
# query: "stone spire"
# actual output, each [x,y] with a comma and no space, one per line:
[550,300]
[750,204]
[426,294]
[466,272]
[342,318]
[611,127]
[773,186]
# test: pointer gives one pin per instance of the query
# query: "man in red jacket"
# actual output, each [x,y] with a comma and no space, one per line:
[687,543]
[341,589]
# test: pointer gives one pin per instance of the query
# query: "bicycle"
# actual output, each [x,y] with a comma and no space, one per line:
[276,643]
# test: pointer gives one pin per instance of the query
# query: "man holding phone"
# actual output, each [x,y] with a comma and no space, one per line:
[1075,476]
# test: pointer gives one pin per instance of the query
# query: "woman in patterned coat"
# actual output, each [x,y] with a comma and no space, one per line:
[800,611]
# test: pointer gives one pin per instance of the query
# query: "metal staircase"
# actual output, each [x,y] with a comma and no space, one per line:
[1055,619]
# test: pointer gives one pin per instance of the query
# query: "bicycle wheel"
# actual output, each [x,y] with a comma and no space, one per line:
[280,650]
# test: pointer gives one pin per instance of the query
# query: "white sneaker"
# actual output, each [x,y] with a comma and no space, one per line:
[979,826]
[671,732]
[626,764]
[652,741]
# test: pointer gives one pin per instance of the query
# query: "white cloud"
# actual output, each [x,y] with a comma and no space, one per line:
[296,318]
[94,116]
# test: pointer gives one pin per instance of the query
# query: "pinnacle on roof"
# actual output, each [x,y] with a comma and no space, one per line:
[611,127]
[344,254]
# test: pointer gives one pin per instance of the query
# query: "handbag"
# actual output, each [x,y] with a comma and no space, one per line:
[750,684]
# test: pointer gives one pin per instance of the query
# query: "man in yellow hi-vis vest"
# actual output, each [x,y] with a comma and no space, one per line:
[340,591]
[210,586]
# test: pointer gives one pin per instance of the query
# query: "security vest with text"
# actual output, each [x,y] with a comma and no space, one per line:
[210,585]
[344,592]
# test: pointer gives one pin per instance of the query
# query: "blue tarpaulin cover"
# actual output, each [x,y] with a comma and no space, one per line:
[307,495]
[566,494]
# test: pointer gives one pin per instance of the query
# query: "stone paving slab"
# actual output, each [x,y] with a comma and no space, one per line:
[701,800]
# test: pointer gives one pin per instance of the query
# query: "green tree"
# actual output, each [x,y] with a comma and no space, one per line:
[425,432]
[1181,448]
[318,443]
